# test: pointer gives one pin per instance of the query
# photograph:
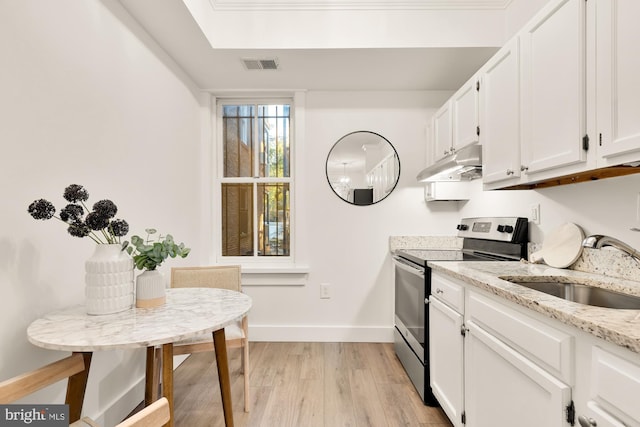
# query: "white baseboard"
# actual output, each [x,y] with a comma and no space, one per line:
[320,333]
[128,401]
[121,407]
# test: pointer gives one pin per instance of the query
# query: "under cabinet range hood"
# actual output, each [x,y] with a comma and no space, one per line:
[464,164]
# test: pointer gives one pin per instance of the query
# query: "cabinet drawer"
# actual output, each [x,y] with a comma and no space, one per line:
[615,384]
[448,291]
[542,343]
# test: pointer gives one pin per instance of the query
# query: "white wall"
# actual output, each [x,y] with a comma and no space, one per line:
[84,100]
[348,244]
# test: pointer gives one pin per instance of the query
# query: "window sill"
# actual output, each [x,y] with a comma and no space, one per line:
[274,275]
[275,269]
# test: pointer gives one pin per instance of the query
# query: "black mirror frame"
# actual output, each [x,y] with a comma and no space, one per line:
[365,201]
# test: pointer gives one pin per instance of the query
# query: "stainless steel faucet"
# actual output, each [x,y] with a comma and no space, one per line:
[597,241]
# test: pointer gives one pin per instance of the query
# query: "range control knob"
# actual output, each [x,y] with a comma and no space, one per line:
[505,228]
[462,227]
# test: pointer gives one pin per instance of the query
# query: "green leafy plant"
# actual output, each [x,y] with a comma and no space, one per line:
[149,253]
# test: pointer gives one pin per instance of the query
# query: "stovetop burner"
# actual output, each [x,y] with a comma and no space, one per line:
[422,256]
[484,239]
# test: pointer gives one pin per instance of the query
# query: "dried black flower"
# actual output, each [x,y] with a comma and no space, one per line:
[71,213]
[75,193]
[96,221]
[42,209]
[119,227]
[97,225]
[78,229]
[106,208]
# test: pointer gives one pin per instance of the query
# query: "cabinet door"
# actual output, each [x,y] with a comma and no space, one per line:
[464,105]
[442,131]
[618,70]
[505,389]
[431,143]
[597,417]
[445,358]
[553,88]
[500,115]
[615,385]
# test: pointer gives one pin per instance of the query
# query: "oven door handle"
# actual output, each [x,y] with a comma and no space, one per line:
[403,265]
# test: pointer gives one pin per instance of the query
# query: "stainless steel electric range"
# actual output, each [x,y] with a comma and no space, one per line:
[484,239]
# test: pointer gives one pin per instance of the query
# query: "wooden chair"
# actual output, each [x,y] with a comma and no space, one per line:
[154,415]
[76,369]
[237,336]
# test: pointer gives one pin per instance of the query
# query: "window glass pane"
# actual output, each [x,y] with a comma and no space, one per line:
[238,147]
[273,219]
[237,220]
[273,133]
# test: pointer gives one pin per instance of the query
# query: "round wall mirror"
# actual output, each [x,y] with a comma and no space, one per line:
[363,168]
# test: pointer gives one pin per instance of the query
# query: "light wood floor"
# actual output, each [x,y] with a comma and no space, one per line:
[305,385]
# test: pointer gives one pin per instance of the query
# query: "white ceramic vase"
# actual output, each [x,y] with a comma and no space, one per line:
[150,289]
[109,280]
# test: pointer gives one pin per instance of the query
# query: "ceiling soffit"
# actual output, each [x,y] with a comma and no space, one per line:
[313,24]
[237,5]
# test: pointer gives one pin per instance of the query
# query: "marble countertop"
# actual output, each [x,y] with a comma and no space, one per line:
[621,327]
[188,312]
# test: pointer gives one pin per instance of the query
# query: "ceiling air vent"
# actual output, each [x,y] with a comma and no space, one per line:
[260,64]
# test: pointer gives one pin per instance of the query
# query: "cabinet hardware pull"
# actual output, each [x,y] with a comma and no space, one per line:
[524,168]
[510,172]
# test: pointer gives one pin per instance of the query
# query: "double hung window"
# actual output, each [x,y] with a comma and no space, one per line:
[255,179]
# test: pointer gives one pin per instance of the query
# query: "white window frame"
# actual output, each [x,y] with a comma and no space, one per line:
[260,264]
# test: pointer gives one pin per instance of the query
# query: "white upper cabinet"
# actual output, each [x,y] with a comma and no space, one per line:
[617,81]
[455,124]
[500,116]
[554,91]
[464,107]
[430,137]
[442,131]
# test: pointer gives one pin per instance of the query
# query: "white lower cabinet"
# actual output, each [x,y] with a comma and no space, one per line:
[595,416]
[613,390]
[503,388]
[446,358]
[491,365]
[495,363]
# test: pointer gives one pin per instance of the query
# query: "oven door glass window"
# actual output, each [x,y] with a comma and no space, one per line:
[409,304]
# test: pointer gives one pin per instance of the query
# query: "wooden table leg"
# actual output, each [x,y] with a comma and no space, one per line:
[167,378]
[152,376]
[220,344]
[76,387]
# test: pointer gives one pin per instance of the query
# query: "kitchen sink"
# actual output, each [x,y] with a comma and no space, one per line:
[578,292]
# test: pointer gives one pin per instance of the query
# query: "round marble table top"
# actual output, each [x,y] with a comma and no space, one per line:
[188,312]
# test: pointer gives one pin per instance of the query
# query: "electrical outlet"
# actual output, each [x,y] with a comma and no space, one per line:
[534,215]
[325,290]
